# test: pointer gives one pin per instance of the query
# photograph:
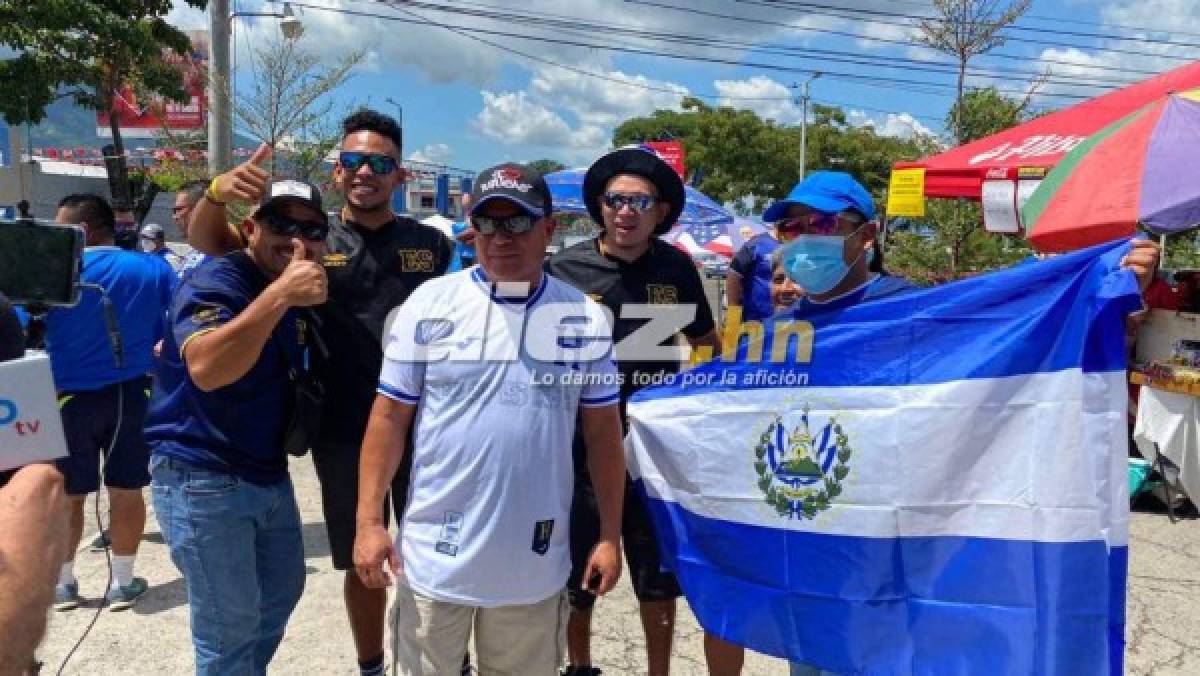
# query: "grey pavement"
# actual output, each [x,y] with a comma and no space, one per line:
[152,638]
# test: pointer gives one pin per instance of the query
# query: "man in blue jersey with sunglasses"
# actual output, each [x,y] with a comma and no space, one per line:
[374,260]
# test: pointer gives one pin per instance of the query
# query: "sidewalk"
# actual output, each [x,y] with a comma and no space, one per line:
[153,637]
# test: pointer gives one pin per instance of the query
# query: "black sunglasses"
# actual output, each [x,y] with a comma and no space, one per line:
[381,165]
[513,225]
[286,227]
[638,203]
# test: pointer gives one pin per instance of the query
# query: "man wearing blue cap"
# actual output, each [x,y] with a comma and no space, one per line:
[831,258]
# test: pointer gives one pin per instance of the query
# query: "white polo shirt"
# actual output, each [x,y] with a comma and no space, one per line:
[490,494]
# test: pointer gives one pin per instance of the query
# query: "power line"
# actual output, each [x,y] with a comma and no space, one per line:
[832,10]
[639,85]
[509,18]
[1068,20]
[898,83]
[881,40]
[627,32]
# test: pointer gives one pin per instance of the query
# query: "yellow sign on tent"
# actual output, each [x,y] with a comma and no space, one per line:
[906,193]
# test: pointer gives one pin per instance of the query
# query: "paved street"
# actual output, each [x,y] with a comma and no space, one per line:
[1164,616]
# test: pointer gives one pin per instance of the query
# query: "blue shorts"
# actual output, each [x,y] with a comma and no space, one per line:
[90,419]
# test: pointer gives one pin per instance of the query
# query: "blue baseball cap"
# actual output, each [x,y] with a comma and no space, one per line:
[829,191]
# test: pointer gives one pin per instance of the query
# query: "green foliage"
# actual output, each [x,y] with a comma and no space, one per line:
[85,48]
[546,166]
[747,161]
[948,244]
[1183,251]
[983,112]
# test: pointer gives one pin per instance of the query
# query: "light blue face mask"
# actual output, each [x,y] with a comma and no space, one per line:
[815,262]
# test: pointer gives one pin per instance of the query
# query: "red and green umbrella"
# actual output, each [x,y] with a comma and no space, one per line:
[1143,168]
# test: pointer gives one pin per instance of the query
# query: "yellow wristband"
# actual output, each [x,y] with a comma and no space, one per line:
[211,194]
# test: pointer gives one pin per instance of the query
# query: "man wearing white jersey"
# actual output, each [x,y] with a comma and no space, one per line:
[488,369]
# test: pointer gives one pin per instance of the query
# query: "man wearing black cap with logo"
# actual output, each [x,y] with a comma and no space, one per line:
[223,395]
[487,357]
[374,261]
[634,196]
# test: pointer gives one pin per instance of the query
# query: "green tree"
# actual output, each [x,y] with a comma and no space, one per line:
[88,50]
[983,112]
[546,166]
[738,158]
[947,244]
[965,29]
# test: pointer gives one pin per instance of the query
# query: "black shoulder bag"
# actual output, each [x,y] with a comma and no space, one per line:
[308,397]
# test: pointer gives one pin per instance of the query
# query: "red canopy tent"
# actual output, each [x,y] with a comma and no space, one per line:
[1040,143]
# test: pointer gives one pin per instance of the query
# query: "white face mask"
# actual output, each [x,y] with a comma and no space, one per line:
[149,245]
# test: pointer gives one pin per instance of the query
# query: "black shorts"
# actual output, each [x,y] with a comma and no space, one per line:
[89,420]
[337,472]
[650,581]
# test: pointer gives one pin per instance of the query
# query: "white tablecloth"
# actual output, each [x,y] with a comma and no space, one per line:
[1172,422]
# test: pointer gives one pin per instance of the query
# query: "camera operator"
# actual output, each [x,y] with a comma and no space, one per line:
[100,352]
[33,526]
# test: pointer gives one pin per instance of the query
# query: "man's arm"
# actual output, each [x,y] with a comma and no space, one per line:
[33,545]
[223,355]
[601,427]
[382,450]
[208,228]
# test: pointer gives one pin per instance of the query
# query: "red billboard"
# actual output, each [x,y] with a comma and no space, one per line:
[672,153]
[148,117]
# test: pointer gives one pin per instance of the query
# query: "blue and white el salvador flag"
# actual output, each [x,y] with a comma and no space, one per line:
[938,488]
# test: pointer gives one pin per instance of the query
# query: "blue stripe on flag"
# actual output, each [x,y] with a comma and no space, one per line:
[1042,317]
[944,605]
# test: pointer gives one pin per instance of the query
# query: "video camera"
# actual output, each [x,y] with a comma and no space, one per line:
[40,265]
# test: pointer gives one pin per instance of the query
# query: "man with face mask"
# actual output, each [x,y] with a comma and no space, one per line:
[154,241]
[832,257]
[833,247]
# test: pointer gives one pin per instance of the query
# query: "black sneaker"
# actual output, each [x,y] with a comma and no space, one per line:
[581,671]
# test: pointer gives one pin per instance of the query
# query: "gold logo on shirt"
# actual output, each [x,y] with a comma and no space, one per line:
[206,314]
[335,260]
[301,331]
[416,260]
[661,294]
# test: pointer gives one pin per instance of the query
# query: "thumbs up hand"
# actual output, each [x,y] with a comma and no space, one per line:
[246,182]
[303,282]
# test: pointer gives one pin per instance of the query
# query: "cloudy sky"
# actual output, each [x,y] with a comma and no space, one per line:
[484,81]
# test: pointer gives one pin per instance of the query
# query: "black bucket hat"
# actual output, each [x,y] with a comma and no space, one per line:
[638,161]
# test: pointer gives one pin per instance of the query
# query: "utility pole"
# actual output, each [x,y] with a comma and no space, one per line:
[220,110]
[803,101]
[220,83]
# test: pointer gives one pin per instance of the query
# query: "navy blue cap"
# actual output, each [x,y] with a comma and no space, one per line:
[519,184]
[828,191]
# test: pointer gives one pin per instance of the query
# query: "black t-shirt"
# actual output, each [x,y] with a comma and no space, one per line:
[371,272]
[662,275]
[12,338]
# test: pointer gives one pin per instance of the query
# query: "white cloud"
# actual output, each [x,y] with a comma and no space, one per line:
[899,125]
[434,153]
[769,99]
[513,119]
[607,101]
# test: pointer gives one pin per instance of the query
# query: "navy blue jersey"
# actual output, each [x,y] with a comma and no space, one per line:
[77,339]
[237,428]
[753,263]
